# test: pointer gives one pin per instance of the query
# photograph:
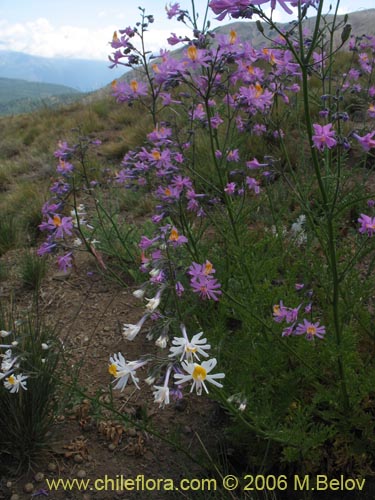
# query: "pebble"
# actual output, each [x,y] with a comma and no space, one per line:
[112,447]
[9,484]
[39,476]
[81,473]
[132,432]
[52,467]
[15,497]
[28,488]
[78,459]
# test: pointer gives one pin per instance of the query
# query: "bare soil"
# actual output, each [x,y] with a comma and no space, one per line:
[89,441]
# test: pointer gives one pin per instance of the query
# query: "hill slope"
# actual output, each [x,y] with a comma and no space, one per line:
[18,96]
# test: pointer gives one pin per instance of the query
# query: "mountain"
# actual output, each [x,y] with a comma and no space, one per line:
[19,96]
[81,74]
[362,22]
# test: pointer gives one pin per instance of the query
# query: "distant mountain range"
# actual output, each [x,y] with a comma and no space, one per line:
[83,75]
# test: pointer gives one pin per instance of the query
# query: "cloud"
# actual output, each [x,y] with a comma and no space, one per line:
[42,38]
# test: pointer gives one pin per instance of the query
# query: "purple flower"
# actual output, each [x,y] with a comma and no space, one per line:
[45,248]
[367,225]
[287,332]
[324,136]
[230,188]
[253,184]
[172,10]
[310,329]
[254,164]
[146,242]
[64,167]
[367,142]
[236,8]
[279,312]
[207,287]
[179,289]
[65,261]
[59,225]
[292,314]
[176,239]
[233,155]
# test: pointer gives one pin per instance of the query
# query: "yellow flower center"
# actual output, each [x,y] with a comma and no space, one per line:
[250,69]
[115,37]
[208,268]
[232,36]
[370,226]
[276,309]
[11,380]
[156,155]
[134,85]
[167,192]
[311,330]
[155,67]
[199,373]
[114,84]
[56,221]
[190,348]
[112,370]
[259,89]
[192,52]
[174,235]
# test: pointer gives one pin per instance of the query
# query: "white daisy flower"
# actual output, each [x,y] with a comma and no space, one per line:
[130,331]
[122,370]
[185,348]
[138,294]
[199,374]
[161,342]
[161,393]
[8,361]
[154,302]
[14,382]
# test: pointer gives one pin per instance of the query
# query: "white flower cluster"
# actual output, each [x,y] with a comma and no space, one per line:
[184,361]
[9,364]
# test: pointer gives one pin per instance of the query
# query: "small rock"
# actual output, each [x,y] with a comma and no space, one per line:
[78,458]
[132,432]
[9,484]
[28,488]
[111,447]
[187,429]
[107,329]
[148,455]
[52,467]
[81,473]
[86,496]
[15,497]
[39,476]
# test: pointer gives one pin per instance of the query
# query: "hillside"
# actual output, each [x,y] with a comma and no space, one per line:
[19,96]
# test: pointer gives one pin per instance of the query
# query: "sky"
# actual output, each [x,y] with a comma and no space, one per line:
[83,28]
